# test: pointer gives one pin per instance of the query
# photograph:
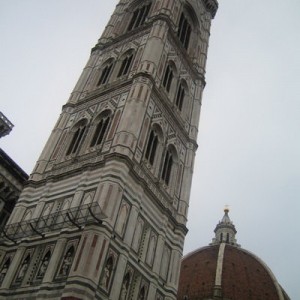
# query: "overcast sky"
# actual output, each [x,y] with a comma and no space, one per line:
[249,144]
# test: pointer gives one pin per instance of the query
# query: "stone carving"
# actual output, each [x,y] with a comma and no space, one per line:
[44,265]
[107,272]
[23,269]
[4,270]
[67,262]
[125,287]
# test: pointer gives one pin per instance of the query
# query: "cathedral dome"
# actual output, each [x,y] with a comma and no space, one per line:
[223,270]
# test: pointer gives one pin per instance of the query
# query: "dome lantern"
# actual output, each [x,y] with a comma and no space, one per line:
[225,231]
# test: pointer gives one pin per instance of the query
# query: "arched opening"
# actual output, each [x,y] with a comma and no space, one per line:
[170,71]
[101,128]
[106,71]
[126,61]
[78,134]
[139,16]
[180,95]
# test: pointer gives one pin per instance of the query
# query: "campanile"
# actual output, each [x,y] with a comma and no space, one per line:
[104,213]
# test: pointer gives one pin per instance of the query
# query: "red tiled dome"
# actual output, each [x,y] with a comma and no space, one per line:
[242,276]
[225,271]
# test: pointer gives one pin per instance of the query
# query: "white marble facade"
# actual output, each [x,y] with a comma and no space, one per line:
[104,215]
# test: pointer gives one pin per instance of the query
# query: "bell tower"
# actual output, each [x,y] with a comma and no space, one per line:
[104,213]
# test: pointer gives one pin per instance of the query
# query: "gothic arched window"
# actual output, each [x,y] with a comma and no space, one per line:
[181,91]
[139,17]
[106,71]
[167,167]
[151,147]
[78,133]
[126,63]
[168,77]
[101,129]
[154,147]
[184,31]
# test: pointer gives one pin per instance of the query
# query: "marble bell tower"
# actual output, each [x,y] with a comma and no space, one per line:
[104,213]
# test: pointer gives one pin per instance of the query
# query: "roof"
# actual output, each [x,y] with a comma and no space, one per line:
[225,271]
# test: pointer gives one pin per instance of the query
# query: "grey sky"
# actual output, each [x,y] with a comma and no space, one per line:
[249,144]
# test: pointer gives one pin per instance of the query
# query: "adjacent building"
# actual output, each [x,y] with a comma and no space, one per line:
[12,177]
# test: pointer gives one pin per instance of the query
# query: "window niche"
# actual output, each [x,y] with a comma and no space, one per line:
[23,268]
[139,228]
[154,148]
[169,167]
[108,271]
[5,268]
[67,260]
[123,214]
[77,133]
[43,265]
[105,72]
[169,80]
[181,94]
[125,289]
[139,17]
[165,263]
[125,63]
[100,127]
[151,249]
[151,147]
[168,77]
[184,31]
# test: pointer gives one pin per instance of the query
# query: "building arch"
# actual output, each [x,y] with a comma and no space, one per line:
[169,168]
[181,95]
[44,265]
[125,62]
[190,11]
[23,268]
[107,272]
[105,71]
[67,261]
[99,128]
[154,147]
[138,13]
[188,26]
[76,136]
[170,78]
